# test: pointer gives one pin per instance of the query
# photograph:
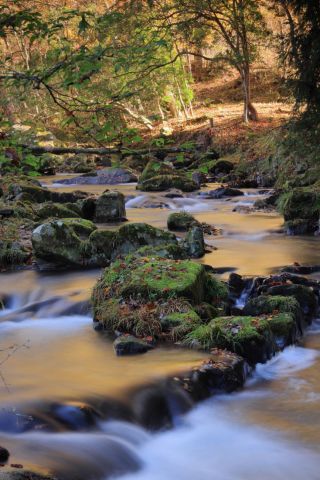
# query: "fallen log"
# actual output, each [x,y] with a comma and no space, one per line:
[37,150]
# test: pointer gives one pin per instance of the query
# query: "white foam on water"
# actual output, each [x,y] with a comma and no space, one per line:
[57,325]
[136,201]
[189,205]
[292,359]
[214,445]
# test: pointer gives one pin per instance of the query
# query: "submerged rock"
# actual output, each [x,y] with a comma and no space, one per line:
[130,345]
[106,176]
[222,192]
[21,474]
[4,454]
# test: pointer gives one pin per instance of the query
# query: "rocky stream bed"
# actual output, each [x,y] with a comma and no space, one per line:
[217,305]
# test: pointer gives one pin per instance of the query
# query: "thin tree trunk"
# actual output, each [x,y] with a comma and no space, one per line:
[249,111]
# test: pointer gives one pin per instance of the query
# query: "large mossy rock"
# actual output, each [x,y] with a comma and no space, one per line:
[135,294]
[131,237]
[62,242]
[110,207]
[301,209]
[74,242]
[256,338]
[181,221]
[158,177]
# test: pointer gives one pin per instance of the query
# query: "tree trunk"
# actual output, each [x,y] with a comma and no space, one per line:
[249,112]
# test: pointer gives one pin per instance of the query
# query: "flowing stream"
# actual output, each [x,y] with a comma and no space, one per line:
[52,362]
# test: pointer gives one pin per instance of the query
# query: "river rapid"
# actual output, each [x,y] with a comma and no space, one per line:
[52,361]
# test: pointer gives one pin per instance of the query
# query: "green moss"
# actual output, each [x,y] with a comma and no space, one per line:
[56,210]
[180,324]
[230,333]
[269,304]
[170,251]
[283,325]
[131,237]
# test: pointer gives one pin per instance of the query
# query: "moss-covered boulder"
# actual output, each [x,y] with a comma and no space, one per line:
[268,304]
[110,207]
[158,176]
[62,242]
[162,183]
[131,237]
[57,210]
[304,295]
[134,295]
[301,209]
[254,338]
[181,221]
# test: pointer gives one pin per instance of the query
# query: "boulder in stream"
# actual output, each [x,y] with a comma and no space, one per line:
[194,242]
[159,176]
[301,209]
[181,221]
[135,294]
[110,207]
[255,338]
[62,242]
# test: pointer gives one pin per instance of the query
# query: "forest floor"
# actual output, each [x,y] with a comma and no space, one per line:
[218,107]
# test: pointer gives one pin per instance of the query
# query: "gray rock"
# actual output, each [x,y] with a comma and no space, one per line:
[110,207]
[194,242]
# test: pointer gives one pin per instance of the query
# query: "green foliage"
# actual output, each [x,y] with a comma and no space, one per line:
[303,51]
